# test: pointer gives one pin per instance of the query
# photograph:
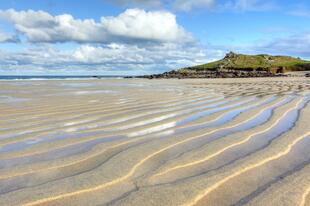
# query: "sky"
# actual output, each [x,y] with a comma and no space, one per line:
[136,37]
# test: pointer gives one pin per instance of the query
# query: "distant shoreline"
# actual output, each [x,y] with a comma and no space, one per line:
[219,75]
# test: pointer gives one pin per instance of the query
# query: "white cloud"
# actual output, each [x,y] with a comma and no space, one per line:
[132,25]
[138,24]
[187,5]
[4,37]
[110,58]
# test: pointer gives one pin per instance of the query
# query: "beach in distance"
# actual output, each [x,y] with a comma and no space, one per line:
[160,142]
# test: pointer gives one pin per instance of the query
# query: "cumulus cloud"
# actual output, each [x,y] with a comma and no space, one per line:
[132,25]
[138,24]
[8,38]
[109,58]
[187,5]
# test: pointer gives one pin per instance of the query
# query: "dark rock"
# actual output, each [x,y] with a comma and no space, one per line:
[221,73]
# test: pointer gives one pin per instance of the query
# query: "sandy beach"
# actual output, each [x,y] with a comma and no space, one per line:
[141,142]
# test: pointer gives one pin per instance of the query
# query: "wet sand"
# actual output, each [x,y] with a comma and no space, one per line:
[155,142]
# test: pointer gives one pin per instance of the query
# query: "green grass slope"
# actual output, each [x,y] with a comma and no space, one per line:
[262,62]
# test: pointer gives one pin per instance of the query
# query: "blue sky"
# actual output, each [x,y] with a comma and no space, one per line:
[113,37]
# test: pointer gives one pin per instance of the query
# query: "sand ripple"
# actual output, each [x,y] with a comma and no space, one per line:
[161,142]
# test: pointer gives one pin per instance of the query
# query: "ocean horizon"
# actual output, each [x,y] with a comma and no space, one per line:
[57,77]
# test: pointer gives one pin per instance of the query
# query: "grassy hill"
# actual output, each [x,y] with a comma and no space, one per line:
[239,66]
[262,62]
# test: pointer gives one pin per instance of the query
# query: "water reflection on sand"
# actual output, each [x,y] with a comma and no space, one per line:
[155,142]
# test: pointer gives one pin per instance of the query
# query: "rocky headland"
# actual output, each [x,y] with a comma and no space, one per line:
[239,66]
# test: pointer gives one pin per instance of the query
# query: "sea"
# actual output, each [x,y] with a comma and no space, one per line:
[2,77]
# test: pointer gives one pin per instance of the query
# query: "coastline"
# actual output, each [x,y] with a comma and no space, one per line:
[220,75]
